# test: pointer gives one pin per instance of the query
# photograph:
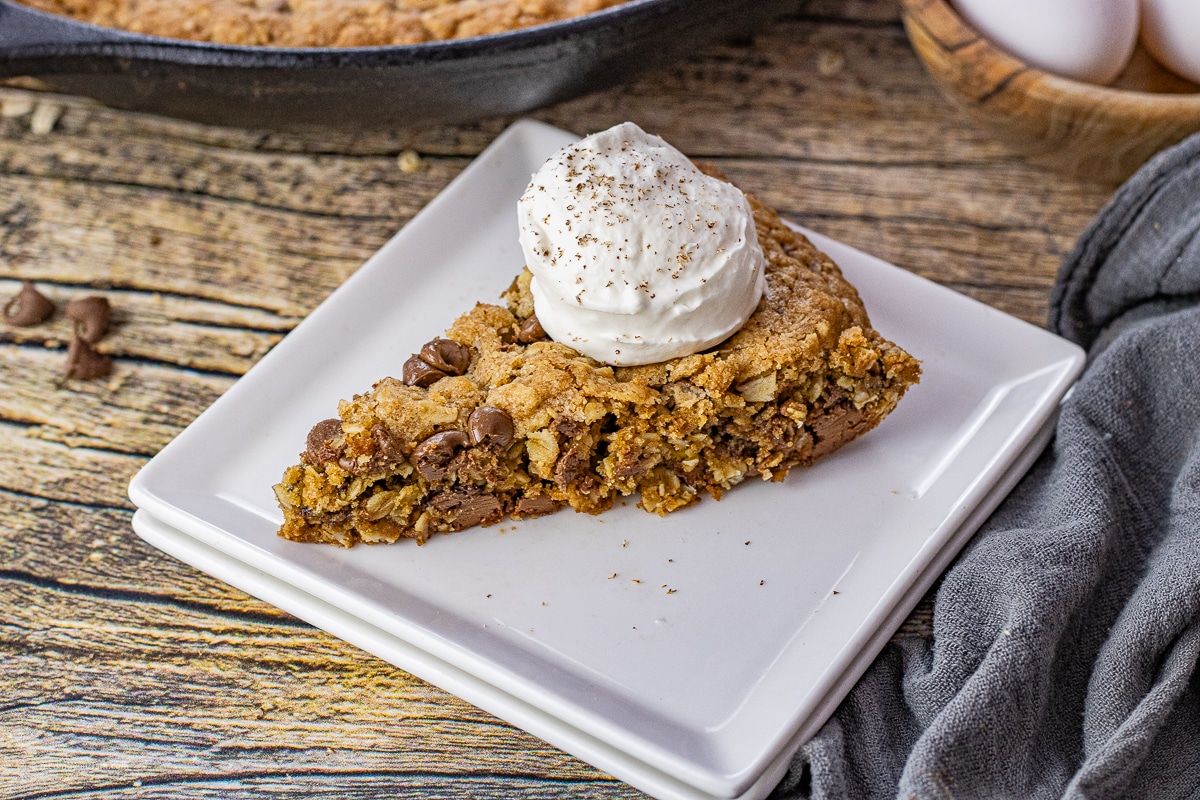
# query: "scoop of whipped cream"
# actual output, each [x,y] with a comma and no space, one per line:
[636,255]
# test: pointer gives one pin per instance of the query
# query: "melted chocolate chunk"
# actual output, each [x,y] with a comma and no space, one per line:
[567,428]
[28,307]
[318,450]
[91,316]
[571,467]
[632,467]
[534,506]
[387,449]
[467,509]
[433,456]
[835,425]
[491,425]
[530,331]
[447,356]
[418,372]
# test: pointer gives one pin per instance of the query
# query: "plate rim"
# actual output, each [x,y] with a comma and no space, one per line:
[437,672]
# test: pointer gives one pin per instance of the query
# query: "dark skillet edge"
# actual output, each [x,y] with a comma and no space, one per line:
[311,88]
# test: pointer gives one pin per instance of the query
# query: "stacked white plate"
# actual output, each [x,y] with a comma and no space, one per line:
[689,655]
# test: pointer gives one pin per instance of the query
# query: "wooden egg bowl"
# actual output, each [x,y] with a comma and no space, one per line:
[1102,133]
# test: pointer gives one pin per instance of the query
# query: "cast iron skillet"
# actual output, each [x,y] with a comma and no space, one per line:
[368,87]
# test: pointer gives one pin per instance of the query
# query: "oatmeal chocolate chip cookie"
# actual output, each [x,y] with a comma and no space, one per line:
[523,426]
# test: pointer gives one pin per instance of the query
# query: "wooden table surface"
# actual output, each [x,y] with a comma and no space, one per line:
[123,672]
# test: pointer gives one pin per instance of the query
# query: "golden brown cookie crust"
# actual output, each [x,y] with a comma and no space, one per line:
[319,23]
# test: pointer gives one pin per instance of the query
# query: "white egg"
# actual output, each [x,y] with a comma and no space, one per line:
[1171,32]
[1088,40]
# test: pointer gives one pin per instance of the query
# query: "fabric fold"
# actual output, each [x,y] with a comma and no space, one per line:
[1140,251]
[1066,635]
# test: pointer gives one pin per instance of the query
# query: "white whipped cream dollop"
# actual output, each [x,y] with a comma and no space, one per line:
[637,256]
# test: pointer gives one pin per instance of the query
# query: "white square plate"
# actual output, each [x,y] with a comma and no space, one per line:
[703,647]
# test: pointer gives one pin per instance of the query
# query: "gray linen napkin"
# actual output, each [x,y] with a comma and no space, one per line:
[1066,635]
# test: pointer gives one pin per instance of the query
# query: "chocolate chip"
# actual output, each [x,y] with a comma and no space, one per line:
[388,449]
[834,425]
[85,363]
[325,431]
[567,428]
[469,509]
[632,466]
[479,509]
[570,467]
[28,307]
[433,456]
[492,425]
[418,372]
[530,331]
[90,315]
[535,506]
[446,355]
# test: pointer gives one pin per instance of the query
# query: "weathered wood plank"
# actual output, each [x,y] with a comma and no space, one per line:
[158,328]
[136,410]
[122,237]
[803,90]
[198,694]
[92,551]
[957,224]
[54,471]
[209,684]
[323,185]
